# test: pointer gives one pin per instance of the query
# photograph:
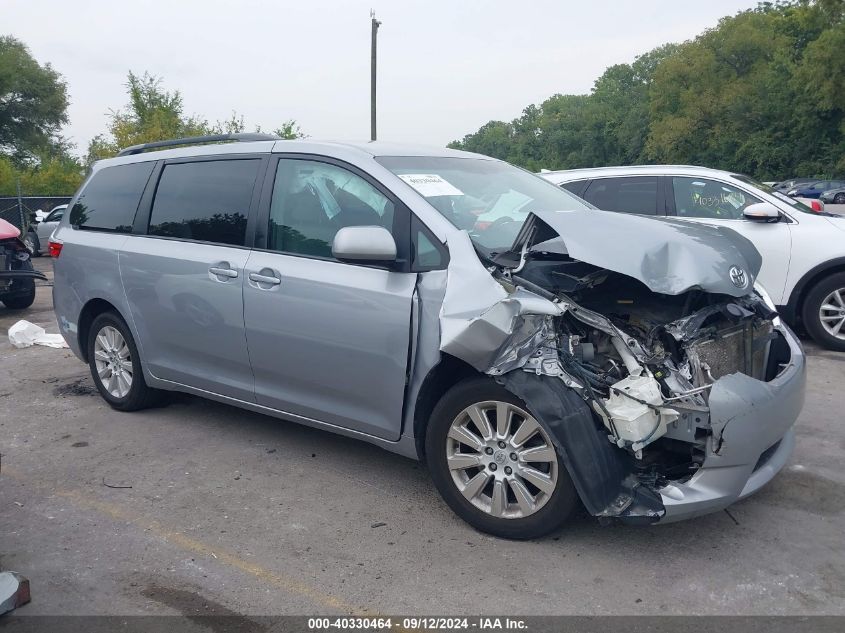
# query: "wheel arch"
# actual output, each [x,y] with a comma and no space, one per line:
[90,311]
[448,372]
[792,311]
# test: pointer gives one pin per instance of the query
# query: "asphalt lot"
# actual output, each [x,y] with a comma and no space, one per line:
[234,513]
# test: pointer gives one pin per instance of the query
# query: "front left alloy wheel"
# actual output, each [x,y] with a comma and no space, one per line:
[495,464]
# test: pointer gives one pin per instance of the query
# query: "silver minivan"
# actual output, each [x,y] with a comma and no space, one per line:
[535,352]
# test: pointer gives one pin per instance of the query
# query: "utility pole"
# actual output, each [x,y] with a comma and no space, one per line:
[375,25]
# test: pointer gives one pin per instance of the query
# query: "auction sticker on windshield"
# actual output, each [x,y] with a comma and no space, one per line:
[431,185]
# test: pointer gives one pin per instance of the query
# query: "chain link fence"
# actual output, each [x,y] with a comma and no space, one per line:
[21,211]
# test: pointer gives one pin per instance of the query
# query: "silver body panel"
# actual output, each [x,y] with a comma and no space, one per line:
[190,320]
[330,341]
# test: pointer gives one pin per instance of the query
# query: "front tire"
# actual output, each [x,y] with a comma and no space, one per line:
[495,465]
[839,198]
[824,312]
[116,366]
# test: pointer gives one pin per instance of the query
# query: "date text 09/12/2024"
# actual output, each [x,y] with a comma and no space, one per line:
[416,623]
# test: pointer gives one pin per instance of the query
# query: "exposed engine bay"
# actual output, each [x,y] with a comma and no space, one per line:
[642,363]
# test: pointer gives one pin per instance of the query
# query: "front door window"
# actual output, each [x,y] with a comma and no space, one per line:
[705,198]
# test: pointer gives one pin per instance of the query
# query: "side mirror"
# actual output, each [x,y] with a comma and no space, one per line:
[364,244]
[761,212]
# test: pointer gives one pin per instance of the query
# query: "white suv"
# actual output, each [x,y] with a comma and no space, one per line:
[803,250]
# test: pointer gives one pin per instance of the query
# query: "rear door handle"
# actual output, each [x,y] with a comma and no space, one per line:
[223,272]
[264,279]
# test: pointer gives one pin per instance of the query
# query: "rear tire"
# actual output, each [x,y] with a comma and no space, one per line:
[520,498]
[116,366]
[839,198]
[23,300]
[823,312]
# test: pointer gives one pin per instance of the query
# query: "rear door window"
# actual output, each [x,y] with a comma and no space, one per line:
[634,194]
[110,199]
[206,201]
[576,186]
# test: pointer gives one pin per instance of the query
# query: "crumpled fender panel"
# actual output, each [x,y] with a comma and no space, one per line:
[478,316]
[600,472]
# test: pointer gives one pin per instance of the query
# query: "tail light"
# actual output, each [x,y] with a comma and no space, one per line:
[816,206]
[55,247]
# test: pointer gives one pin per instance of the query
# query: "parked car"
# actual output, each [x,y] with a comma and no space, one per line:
[17,276]
[45,228]
[803,251]
[530,360]
[834,196]
[786,185]
[815,189]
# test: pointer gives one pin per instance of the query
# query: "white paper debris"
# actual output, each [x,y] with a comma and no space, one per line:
[24,334]
[431,185]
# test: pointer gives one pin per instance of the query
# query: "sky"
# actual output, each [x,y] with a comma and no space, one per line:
[444,68]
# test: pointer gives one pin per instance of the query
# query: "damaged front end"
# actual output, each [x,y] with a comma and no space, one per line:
[16,272]
[663,402]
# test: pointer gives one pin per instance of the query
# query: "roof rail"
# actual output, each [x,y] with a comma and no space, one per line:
[196,140]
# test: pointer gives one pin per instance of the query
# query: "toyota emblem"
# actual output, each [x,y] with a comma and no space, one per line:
[738,277]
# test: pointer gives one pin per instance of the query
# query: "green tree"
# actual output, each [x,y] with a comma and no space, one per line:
[51,176]
[763,92]
[155,114]
[33,104]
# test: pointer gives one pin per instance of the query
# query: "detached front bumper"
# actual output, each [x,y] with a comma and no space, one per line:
[756,420]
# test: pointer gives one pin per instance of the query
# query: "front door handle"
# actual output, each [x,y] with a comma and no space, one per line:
[223,272]
[264,279]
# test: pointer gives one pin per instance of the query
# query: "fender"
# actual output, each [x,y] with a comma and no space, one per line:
[792,310]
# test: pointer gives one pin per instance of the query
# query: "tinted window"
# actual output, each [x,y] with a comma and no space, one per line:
[427,254]
[206,201]
[109,200]
[313,200]
[576,186]
[637,194]
[704,198]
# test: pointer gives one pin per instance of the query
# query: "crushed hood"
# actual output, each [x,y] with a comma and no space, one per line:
[669,256]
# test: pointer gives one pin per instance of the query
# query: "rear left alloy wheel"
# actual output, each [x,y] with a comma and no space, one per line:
[115,366]
[495,464]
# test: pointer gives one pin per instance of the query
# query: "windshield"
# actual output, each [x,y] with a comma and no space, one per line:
[488,198]
[792,202]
